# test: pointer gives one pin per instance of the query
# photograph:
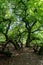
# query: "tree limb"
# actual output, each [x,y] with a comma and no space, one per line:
[9,22]
[34,23]
[37,29]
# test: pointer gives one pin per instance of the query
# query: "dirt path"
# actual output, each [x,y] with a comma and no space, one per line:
[23,57]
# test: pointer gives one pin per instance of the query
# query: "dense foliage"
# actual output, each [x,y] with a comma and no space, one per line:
[21,22]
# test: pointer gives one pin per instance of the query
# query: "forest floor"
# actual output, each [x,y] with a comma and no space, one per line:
[23,57]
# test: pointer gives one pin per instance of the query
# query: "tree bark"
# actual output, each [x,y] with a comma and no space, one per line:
[28,38]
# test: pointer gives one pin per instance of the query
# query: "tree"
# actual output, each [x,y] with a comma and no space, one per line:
[29,15]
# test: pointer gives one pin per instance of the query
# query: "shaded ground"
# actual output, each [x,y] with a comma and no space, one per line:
[23,57]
